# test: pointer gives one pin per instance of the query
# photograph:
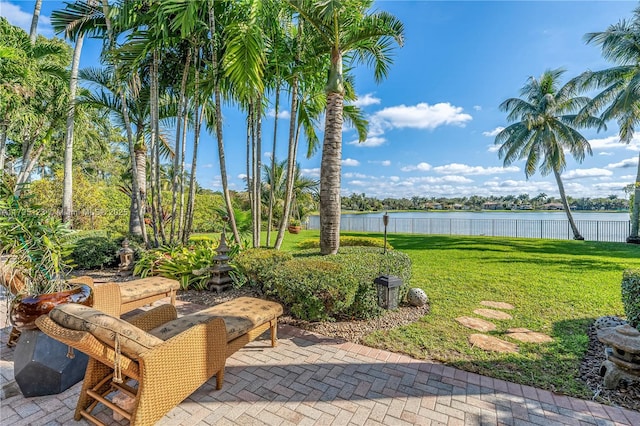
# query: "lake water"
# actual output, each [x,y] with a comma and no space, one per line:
[595,226]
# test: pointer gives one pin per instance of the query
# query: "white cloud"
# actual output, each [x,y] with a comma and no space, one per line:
[284,114]
[267,154]
[604,143]
[207,166]
[455,168]
[586,173]
[420,116]
[369,142]
[20,18]
[384,163]
[355,175]
[493,148]
[366,100]
[315,172]
[606,153]
[629,162]
[422,167]
[493,132]
[394,178]
[477,107]
[242,176]
[350,162]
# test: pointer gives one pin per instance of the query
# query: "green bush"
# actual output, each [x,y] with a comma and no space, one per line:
[313,288]
[95,251]
[347,241]
[367,263]
[253,266]
[631,296]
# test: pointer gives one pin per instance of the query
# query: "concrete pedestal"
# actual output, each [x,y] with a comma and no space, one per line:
[41,366]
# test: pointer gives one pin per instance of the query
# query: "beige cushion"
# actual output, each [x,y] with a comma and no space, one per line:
[146,287]
[240,315]
[133,340]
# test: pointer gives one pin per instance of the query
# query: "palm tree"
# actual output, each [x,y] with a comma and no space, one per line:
[620,96]
[344,29]
[543,128]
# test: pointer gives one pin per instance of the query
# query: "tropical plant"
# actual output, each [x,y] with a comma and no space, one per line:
[619,98]
[544,127]
[37,245]
[344,29]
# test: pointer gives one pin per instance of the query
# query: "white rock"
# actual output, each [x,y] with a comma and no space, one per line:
[417,297]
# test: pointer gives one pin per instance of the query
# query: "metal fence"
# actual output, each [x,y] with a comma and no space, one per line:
[592,230]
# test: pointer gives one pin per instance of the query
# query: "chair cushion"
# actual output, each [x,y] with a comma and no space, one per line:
[133,340]
[146,287]
[240,315]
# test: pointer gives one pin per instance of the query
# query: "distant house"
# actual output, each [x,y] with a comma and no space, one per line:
[434,206]
[525,207]
[492,206]
[553,206]
[457,206]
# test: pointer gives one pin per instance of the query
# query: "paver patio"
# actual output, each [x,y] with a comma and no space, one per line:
[313,380]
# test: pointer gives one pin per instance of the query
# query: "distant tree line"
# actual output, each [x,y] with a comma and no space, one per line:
[361,202]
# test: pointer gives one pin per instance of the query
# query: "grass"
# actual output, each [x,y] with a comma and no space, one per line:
[557,287]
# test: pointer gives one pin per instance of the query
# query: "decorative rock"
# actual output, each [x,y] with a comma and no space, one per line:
[490,343]
[608,321]
[528,336]
[497,305]
[476,324]
[417,297]
[490,313]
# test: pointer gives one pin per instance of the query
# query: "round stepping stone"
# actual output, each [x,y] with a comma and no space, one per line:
[490,343]
[476,324]
[497,305]
[528,336]
[490,313]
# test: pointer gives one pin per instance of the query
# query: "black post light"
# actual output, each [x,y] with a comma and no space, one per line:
[387,286]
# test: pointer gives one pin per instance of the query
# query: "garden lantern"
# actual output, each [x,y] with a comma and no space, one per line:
[388,287]
[126,257]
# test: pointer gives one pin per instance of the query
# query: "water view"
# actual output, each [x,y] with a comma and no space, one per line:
[594,226]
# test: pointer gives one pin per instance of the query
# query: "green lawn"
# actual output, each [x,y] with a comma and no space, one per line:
[557,287]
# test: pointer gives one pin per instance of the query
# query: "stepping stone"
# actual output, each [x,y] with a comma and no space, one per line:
[528,336]
[497,305]
[490,343]
[490,313]
[476,323]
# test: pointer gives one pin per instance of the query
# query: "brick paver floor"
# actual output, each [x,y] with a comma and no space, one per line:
[313,380]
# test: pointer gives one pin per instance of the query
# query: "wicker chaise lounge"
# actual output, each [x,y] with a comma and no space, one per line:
[168,357]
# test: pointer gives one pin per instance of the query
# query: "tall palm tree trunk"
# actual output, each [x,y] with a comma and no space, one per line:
[330,168]
[565,204]
[218,104]
[33,33]
[330,165]
[634,238]
[178,146]
[273,165]
[127,122]
[257,166]
[67,185]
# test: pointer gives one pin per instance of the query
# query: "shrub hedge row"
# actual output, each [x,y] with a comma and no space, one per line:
[347,241]
[316,287]
[631,296]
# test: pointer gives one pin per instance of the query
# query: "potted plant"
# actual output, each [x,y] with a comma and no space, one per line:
[294,226]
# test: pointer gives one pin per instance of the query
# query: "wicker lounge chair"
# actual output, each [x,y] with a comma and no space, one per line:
[166,372]
[168,357]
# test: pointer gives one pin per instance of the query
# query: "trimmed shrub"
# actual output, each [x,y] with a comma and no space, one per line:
[631,296]
[347,241]
[367,263]
[313,288]
[254,266]
[95,251]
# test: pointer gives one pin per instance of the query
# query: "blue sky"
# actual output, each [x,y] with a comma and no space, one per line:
[433,120]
